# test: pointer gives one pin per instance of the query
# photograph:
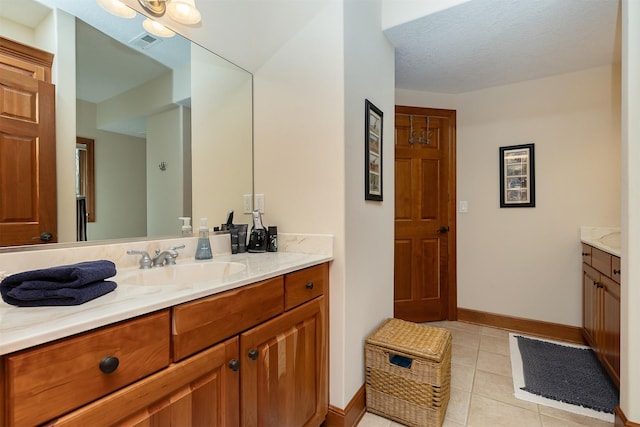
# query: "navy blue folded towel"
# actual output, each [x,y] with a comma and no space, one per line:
[64,285]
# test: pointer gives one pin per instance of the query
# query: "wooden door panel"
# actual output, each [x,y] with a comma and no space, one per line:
[403,189]
[431,193]
[430,268]
[402,270]
[18,169]
[27,159]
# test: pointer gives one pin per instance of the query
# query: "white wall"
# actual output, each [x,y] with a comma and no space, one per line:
[221,141]
[522,261]
[630,298]
[165,188]
[309,163]
[369,230]
[120,179]
[299,156]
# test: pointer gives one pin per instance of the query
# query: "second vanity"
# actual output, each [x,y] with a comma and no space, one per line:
[248,348]
[601,290]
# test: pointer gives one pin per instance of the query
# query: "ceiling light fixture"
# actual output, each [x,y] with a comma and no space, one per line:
[156,28]
[116,7]
[183,11]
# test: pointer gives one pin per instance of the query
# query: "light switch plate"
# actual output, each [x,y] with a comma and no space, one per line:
[246,201]
[464,206]
[259,203]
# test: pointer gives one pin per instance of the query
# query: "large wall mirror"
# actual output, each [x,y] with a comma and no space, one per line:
[171,123]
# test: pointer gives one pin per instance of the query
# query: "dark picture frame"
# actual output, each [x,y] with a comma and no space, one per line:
[517,176]
[372,152]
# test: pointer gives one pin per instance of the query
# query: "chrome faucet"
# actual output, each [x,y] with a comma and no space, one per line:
[167,257]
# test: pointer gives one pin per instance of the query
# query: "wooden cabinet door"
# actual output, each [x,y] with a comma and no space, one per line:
[202,390]
[590,305]
[610,345]
[285,369]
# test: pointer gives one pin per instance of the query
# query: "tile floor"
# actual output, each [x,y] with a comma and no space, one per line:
[482,387]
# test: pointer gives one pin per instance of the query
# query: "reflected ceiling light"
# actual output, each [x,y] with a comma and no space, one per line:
[183,11]
[116,7]
[156,28]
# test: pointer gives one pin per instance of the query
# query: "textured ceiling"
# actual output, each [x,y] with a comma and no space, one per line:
[473,45]
[484,43]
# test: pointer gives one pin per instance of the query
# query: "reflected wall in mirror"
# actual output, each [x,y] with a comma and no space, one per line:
[156,102]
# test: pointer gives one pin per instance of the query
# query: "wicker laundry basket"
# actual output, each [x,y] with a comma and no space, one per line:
[408,372]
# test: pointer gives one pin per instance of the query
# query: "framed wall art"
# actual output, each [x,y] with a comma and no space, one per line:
[372,152]
[517,176]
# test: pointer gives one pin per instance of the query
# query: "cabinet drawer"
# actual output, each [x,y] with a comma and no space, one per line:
[52,379]
[601,261]
[615,268]
[586,254]
[202,323]
[304,285]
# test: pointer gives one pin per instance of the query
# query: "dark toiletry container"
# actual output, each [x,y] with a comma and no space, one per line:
[273,239]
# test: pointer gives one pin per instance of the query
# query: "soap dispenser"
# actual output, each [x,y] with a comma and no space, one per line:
[203,251]
[186,231]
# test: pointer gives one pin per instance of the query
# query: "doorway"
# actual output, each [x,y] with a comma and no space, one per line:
[425,214]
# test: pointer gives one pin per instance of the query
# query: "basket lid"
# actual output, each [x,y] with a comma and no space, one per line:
[419,340]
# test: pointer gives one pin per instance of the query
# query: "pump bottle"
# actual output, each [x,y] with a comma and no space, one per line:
[186,230]
[203,251]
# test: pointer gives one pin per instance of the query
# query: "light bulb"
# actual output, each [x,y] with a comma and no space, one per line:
[183,11]
[157,29]
[116,7]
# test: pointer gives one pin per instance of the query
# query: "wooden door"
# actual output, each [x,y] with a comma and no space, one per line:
[27,160]
[425,288]
[202,390]
[285,369]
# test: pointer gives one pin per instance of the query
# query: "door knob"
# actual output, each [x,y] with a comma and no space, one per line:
[44,237]
[443,229]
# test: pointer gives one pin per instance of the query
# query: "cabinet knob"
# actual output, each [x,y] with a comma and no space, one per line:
[585,254]
[309,285]
[234,364]
[109,364]
[616,271]
[253,354]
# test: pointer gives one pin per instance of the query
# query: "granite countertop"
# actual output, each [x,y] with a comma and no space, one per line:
[23,327]
[604,238]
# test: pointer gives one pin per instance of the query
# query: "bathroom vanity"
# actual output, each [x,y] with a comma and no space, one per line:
[601,297]
[247,349]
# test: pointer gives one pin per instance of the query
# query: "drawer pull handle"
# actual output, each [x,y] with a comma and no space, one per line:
[109,364]
[585,254]
[253,354]
[234,365]
[616,271]
[309,285]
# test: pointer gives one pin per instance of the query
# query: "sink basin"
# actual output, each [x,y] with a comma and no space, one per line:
[183,274]
[612,240]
